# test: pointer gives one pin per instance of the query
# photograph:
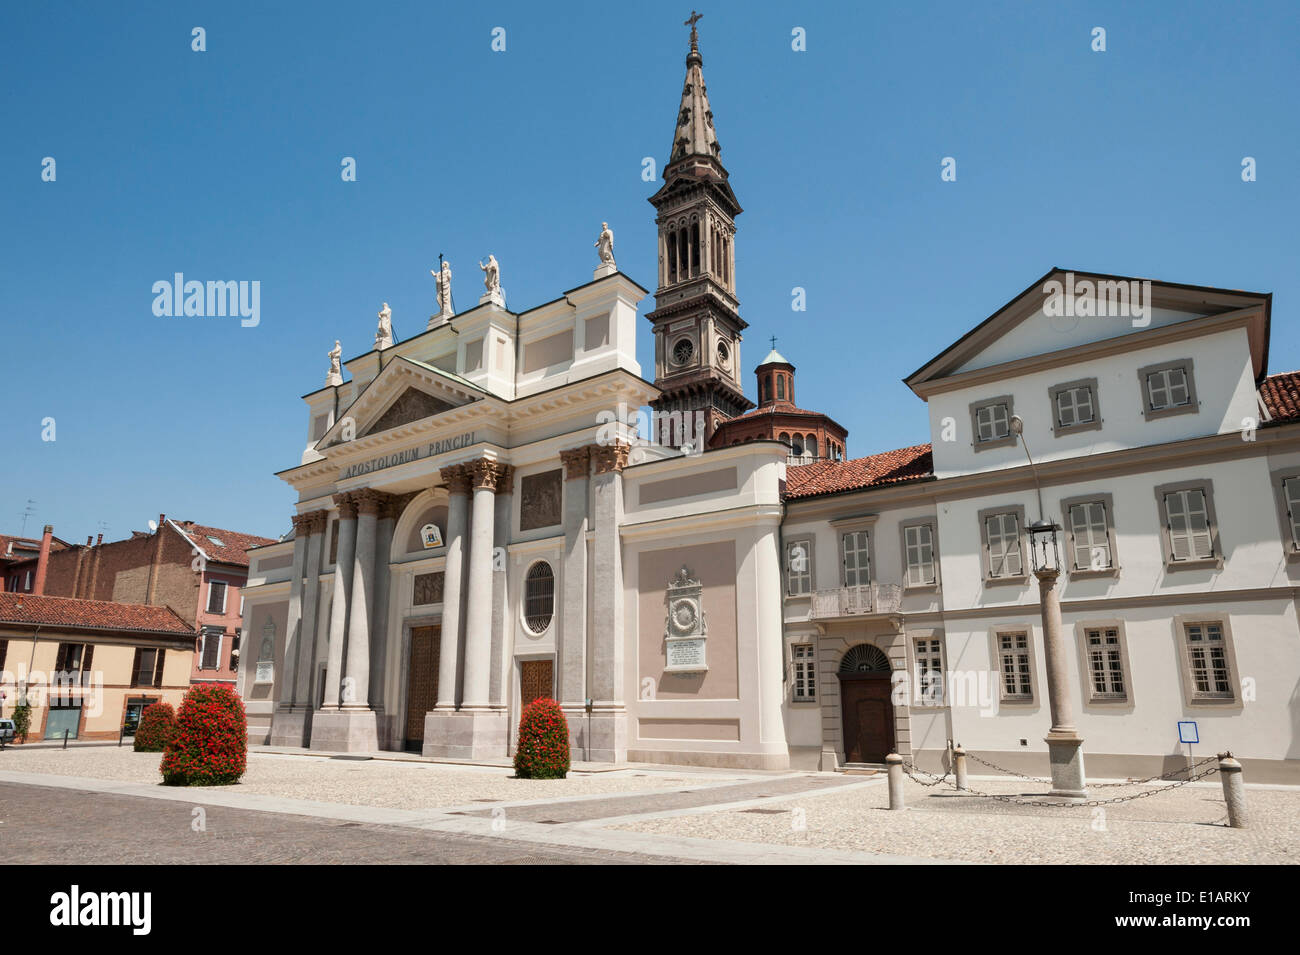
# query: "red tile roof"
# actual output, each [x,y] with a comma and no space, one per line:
[59,612]
[26,547]
[1281,394]
[833,477]
[233,548]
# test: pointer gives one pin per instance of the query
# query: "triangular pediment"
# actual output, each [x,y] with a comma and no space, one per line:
[1066,310]
[405,392]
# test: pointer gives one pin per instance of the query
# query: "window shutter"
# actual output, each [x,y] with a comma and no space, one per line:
[1199,524]
[158,669]
[1176,523]
[135,667]
[61,658]
[87,659]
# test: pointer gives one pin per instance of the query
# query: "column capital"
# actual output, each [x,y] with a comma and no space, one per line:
[577,462]
[456,477]
[484,474]
[314,521]
[370,501]
[393,506]
[301,524]
[347,505]
[610,457]
[505,479]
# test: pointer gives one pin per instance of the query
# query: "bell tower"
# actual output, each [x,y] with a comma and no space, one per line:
[697,323]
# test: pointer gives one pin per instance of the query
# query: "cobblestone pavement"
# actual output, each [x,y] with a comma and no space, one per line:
[44,826]
[1186,825]
[381,783]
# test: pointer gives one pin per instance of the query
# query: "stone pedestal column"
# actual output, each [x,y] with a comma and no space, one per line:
[304,693]
[605,666]
[285,684]
[478,611]
[342,595]
[291,723]
[356,674]
[452,587]
[502,625]
[1064,745]
[573,602]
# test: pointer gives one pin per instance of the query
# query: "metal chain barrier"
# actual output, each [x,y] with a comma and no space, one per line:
[1164,777]
[911,770]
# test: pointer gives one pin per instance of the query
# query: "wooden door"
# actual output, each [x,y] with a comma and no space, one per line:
[535,680]
[868,720]
[421,680]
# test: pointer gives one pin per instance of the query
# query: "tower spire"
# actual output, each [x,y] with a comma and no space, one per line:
[695,135]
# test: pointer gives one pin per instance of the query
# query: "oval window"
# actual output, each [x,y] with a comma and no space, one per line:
[539,597]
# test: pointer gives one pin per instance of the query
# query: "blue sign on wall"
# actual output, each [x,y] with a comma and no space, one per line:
[1187,732]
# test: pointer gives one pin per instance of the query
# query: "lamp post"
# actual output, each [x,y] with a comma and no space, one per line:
[1064,744]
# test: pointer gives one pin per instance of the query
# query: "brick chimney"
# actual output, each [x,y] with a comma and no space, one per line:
[43,561]
[152,587]
[94,569]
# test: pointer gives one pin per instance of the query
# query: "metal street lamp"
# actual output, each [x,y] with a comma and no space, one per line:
[1064,744]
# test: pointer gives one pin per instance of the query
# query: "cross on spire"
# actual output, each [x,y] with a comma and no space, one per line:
[773,343]
[695,36]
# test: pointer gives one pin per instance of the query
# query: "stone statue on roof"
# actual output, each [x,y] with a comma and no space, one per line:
[384,334]
[443,279]
[335,376]
[605,245]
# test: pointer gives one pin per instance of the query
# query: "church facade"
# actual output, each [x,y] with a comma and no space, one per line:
[481,522]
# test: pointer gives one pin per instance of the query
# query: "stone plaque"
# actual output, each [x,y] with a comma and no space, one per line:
[265,672]
[686,629]
[428,589]
[540,497]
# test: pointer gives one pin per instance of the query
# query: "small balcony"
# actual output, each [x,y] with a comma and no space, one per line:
[856,601]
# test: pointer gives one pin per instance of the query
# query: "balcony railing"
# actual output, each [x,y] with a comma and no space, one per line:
[853,601]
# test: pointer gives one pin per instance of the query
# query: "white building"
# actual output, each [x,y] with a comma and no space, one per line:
[478,525]
[1179,546]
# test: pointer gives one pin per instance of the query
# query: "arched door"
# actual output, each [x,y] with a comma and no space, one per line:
[865,707]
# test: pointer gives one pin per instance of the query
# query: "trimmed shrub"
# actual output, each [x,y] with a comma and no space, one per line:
[210,746]
[22,717]
[156,728]
[543,750]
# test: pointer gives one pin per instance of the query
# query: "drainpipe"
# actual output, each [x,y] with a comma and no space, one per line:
[43,561]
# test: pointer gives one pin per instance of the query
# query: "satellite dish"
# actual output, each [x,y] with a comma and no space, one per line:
[153,525]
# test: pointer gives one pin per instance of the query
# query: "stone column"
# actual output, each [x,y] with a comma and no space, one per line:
[342,596]
[1064,745]
[294,637]
[457,481]
[502,628]
[379,618]
[573,603]
[478,611]
[356,674]
[305,686]
[609,713]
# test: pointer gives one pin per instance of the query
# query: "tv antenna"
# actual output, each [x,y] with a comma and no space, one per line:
[28,511]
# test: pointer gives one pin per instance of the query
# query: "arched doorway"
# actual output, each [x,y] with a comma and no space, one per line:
[865,707]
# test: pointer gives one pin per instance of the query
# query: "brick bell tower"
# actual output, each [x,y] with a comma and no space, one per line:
[697,323]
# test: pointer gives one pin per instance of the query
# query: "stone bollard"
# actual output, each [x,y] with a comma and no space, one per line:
[1234,791]
[959,767]
[895,764]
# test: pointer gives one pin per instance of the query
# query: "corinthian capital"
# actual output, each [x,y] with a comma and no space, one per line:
[577,462]
[456,477]
[484,474]
[610,457]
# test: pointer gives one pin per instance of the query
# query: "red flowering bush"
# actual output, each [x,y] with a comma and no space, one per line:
[210,747]
[157,727]
[543,750]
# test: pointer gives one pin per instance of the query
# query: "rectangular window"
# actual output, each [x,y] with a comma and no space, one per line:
[216,597]
[1207,661]
[74,659]
[798,567]
[1016,666]
[992,422]
[857,560]
[210,655]
[1287,488]
[1003,534]
[1105,663]
[1074,406]
[1089,536]
[1188,522]
[805,676]
[1167,389]
[148,667]
[918,555]
[928,652]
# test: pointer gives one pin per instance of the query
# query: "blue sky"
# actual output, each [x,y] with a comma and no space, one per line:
[225,164]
